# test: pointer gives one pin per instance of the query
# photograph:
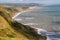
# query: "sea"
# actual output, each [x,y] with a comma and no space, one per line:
[46,18]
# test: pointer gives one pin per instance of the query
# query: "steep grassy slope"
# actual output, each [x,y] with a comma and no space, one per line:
[6,30]
[11,30]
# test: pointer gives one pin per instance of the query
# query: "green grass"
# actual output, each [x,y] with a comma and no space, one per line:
[7,38]
[8,9]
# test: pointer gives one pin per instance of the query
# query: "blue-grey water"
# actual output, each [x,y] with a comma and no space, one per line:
[47,18]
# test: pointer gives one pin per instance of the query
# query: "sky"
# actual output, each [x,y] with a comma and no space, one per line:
[31,1]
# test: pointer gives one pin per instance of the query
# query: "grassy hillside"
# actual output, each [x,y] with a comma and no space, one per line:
[11,30]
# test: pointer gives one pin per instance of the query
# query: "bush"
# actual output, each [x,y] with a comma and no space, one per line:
[10,35]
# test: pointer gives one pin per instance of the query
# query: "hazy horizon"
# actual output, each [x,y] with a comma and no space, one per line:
[48,2]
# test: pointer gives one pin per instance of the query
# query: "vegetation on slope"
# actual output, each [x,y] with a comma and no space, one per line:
[11,30]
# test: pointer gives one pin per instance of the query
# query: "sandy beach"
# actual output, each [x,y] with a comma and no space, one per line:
[30,8]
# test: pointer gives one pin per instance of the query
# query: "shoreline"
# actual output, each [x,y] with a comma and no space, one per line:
[23,11]
[37,29]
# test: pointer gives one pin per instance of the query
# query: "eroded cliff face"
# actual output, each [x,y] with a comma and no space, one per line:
[12,29]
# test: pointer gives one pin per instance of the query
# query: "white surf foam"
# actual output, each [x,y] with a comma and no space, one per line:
[19,13]
[18,19]
[29,18]
[31,24]
[41,32]
[48,38]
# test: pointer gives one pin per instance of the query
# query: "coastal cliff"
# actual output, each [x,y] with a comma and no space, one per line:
[12,30]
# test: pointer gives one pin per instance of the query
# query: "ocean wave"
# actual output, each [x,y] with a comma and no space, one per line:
[31,24]
[29,18]
[18,19]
